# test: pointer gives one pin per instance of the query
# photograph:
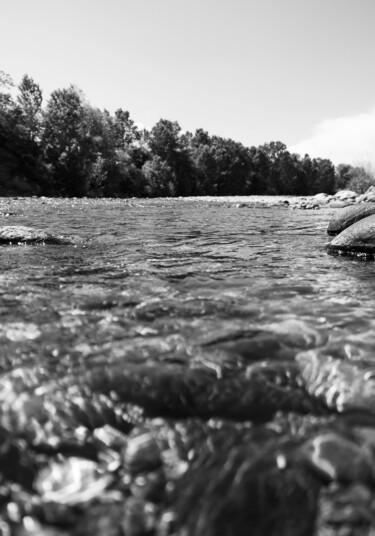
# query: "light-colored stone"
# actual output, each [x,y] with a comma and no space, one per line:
[358,238]
[349,215]
[344,195]
[18,234]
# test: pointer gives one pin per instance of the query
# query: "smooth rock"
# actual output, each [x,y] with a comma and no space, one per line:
[349,215]
[340,204]
[18,234]
[357,239]
[335,457]
[142,453]
[322,198]
[344,195]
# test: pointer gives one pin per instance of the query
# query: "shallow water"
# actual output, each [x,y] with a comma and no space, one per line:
[152,269]
[161,293]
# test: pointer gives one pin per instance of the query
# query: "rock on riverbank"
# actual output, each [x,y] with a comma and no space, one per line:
[341,199]
[358,239]
[355,228]
[348,216]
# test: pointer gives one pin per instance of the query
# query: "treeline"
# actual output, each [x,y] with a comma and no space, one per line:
[69,148]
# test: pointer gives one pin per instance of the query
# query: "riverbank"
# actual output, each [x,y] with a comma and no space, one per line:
[340,199]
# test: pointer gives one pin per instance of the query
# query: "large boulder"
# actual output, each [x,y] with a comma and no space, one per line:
[322,198]
[345,195]
[349,215]
[357,239]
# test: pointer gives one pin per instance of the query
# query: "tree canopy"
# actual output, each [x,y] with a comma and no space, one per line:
[66,147]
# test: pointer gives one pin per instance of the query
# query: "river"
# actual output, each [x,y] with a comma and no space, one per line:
[183,360]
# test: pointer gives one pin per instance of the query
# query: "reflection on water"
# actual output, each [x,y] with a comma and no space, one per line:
[182,310]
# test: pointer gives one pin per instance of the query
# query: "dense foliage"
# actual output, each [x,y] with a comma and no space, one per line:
[69,148]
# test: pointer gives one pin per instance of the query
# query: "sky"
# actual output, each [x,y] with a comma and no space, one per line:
[298,71]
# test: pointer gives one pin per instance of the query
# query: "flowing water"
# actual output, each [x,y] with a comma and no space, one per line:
[197,319]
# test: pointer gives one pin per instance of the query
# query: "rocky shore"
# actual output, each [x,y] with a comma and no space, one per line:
[341,199]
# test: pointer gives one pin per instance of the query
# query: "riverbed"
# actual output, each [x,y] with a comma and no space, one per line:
[182,360]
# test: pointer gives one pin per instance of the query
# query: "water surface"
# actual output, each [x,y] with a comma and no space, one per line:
[179,309]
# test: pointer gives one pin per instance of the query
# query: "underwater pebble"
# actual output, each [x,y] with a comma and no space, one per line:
[18,332]
[71,482]
[142,453]
[336,458]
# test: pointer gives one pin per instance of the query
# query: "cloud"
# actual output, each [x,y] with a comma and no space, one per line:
[140,125]
[349,140]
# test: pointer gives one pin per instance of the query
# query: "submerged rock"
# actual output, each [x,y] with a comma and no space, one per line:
[249,488]
[345,509]
[358,239]
[336,458]
[72,481]
[349,215]
[18,234]
[255,394]
[342,385]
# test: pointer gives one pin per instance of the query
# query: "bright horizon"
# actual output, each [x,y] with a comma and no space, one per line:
[298,71]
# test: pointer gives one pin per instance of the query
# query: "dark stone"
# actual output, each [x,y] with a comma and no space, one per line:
[358,239]
[345,509]
[173,391]
[142,453]
[349,215]
[336,458]
[249,488]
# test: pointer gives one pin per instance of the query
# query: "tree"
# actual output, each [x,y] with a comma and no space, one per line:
[159,178]
[9,115]
[325,176]
[22,167]
[283,169]
[353,178]
[233,166]
[273,150]
[63,141]
[260,171]
[205,170]
[30,101]
[124,130]
[165,142]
